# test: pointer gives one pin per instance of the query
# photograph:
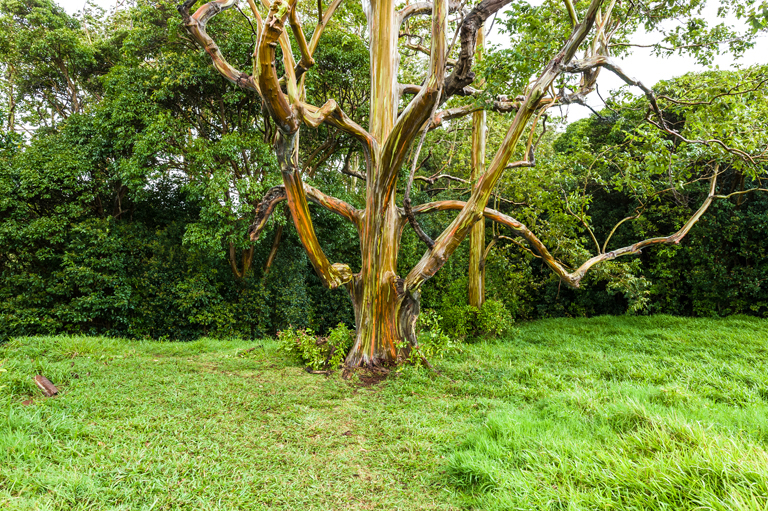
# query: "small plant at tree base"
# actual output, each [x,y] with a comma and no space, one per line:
[340,340]
[317,352]
[433,341]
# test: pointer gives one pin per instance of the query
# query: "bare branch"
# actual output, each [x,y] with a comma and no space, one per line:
[729,92]
[275,100]
[316,36]
[418,8]
[436,177]
[603,61]
[423,236]
[264,210]
[741,192]
[462,74]
[680,47]
[571,12]
[332,275]
[513,240]
[409,88]
[195,25]
[333,204]
[346,170]
[331,113]
[420,109]
[277,194]
[425,50]
[637,214]
[500,106]
[573,279]
[707,142]
[298,32]
[607,63]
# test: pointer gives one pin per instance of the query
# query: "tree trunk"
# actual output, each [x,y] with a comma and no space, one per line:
[477,234]
[385,316]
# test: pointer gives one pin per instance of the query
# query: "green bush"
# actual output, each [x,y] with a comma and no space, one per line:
[459,321]
[465,321]
[493,319]
[433,341]
[317,352]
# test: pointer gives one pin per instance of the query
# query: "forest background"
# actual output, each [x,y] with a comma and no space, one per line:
[130,172]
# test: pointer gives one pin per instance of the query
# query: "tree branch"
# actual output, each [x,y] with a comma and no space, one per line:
[306,56]
[472,211]
[729,92]
[462,74]
[331,113]
[314,41]
[419,110]
[571,12]
[410,88]
[195,25]
[274,99]
[601,61]
[573,279]
[332,275]
[346,170]
[277,194]
[419,8]
[264,210]
[425,50]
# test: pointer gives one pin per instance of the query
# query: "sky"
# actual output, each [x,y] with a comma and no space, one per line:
[640,64]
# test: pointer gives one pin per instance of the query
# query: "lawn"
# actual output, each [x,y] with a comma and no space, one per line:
[604,413]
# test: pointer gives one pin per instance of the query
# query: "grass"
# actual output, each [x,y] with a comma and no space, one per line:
[603,413]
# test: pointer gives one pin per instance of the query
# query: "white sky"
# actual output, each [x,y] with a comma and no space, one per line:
[640,64]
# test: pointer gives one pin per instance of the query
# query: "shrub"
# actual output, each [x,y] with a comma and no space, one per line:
[317,352]
[493,319]
[465,321]
[459,321]
[433,341]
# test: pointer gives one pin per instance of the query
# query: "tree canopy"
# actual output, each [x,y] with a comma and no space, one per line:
[136,181]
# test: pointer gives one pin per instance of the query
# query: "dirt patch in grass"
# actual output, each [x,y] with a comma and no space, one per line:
[364,377]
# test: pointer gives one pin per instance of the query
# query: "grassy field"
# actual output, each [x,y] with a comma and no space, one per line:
[603,413]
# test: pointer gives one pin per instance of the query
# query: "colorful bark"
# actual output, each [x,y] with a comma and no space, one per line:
[476,287]
[384,311]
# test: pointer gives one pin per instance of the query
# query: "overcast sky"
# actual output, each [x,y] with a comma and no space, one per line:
[640,64]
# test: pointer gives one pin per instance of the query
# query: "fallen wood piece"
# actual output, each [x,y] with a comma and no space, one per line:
[48,388]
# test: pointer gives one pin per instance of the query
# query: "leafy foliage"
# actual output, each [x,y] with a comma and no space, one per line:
[433,341]
[129,172]
[317,352]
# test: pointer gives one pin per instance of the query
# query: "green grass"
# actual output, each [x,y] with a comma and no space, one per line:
[602,413]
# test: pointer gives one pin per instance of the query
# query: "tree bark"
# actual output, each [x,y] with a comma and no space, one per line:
[477,234]
[385,312]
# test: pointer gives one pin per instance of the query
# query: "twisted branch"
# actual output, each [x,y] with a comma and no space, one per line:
[573,279]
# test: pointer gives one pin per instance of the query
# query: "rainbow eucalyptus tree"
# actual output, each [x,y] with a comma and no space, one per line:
[386,303]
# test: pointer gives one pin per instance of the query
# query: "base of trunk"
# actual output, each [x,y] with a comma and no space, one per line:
[385,328]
